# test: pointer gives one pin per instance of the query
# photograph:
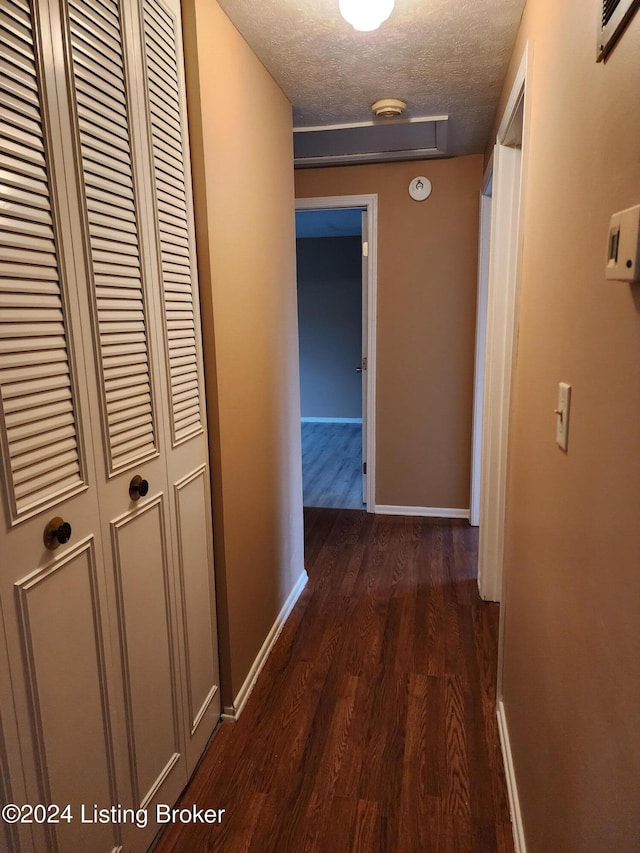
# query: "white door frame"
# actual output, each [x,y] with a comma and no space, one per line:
[370,204]
[509,166]
[481,337]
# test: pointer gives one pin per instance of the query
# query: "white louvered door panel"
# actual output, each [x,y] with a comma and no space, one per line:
[177,265]
[54,603]
[111,639]
[183,399]
[104,36]
[42,461]
[112,213]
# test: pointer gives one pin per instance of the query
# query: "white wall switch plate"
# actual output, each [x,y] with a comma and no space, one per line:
[562,415]
[623,259]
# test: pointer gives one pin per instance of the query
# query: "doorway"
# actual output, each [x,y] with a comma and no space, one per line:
[336,323]
[502,301]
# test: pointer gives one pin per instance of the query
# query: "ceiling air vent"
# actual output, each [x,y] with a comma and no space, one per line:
[384,141]
[616,14]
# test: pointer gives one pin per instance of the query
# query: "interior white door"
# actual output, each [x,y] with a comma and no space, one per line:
[186,448]
[365,346]
[111,638]
[52,587]
[481,335]
[123,284]
[499,356]
[147,325]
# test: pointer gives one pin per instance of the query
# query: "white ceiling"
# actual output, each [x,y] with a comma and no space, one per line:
[443,57]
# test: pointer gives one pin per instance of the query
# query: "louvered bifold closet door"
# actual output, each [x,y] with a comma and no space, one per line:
[112,215]
[173,219]
[40,444]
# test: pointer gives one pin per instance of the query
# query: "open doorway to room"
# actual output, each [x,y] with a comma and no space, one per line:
[329,258]
[334,294]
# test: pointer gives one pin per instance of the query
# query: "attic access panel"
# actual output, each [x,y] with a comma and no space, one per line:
[616,14]
[371,142]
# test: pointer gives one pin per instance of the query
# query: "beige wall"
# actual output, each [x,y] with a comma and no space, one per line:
[241,136]
[572,607]
[427,266]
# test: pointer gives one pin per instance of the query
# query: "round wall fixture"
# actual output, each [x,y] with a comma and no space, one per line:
[420,188]
[388,108]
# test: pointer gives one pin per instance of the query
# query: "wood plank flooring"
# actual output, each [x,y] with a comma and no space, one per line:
[372,726]
[332,465]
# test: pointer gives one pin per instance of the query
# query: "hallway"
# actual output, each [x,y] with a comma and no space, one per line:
[372,726]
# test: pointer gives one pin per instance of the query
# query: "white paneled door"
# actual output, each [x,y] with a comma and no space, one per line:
[106,570]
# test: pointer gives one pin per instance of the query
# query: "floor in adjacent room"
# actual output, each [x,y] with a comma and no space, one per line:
[372,726]
[332,465]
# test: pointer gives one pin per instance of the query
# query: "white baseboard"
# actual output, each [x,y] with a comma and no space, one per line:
[512,789]
[331,420]
[422,511]
[232,712]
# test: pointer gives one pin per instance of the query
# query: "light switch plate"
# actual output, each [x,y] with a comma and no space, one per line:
[562,415]
[623,260]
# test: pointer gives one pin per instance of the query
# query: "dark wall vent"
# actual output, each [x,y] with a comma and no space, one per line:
[616,14]
[608,8]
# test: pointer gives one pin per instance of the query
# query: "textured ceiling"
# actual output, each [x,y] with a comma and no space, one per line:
[443,57]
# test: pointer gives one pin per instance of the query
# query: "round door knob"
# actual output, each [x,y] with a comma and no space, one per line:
[57,532]
[138,488]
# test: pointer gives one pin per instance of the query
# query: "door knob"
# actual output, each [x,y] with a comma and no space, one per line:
[358,370]
[57,532]
[138,488]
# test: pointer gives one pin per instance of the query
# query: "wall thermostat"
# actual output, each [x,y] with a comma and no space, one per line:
[420,188]
[623,260]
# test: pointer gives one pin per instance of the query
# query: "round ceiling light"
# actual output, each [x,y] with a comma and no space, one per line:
[388,108]
[365,15]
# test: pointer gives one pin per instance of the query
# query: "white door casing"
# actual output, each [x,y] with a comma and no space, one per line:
[369,205]
[364,326]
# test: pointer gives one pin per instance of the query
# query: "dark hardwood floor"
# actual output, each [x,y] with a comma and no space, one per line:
[332,465]
[372,726]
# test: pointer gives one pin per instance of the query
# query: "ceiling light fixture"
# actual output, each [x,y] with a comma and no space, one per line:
[365,15]
[388,108]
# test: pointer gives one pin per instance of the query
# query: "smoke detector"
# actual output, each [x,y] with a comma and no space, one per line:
[388,108]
